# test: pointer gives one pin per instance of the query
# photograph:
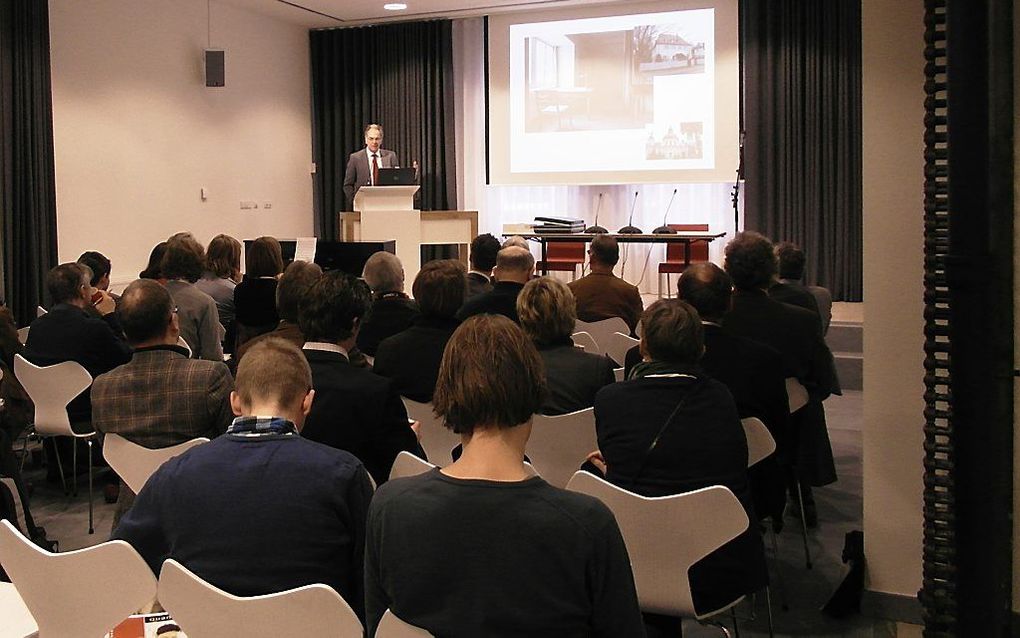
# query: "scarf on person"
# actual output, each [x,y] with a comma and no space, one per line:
[252,426]
[656,368]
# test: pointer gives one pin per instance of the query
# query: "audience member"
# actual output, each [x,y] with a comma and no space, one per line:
[796,333]
[161,397]
[791,289]
[220,277]
[68,333]
[255,297]
[504,552]
[601,294]
[154,268]
[411,358]
[260,509]
[391,310]
[100,266]
[573,376]
[197,316]
[355,409]
[672,429]
[516,240]
[514,266]
[294,283]
[483,259]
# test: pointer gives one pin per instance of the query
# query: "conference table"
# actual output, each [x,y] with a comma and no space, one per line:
[686,238]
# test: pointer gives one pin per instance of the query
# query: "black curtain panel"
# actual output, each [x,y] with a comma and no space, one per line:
[802,118]
[399,76]
[27,191]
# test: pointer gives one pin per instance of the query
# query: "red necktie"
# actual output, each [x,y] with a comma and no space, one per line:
[375,169]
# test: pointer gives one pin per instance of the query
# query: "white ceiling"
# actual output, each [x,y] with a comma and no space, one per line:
[317,14]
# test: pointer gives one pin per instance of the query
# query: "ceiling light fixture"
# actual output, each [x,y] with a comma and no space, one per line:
[395,6]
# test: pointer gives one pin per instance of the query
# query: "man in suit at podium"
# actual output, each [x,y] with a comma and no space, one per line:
[363,166]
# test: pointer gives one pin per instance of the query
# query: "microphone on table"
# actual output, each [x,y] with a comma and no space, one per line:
[595,229]
[630,228]
[664,229]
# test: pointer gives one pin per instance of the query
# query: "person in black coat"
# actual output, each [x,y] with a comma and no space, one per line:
[671,429]
[255,297]
[410,359]
[483,259]
[354,409]
[391,311]
[514,266]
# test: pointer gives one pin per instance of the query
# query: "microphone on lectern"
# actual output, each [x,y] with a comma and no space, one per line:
[664,229]
[595,229]
[630,228]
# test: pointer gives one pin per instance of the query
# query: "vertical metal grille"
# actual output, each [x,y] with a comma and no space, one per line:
[938,593]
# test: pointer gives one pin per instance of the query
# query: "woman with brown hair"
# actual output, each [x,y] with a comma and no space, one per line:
[222,272]
[196,311]
[255,297]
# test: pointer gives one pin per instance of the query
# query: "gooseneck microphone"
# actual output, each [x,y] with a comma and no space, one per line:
[595,229]
[630,228]
[664,229]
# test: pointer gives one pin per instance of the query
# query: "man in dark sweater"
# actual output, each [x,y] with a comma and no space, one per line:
[391,311]
[514,266]
[601,294]
[260,509]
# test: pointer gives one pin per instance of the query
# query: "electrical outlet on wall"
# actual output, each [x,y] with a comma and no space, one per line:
[267,205]
[248,205]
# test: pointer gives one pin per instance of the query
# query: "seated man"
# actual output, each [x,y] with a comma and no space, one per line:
[260,509]
[411,358]
[294,283]
[355,409]
[514,266]
[391,311]
[671,429]
[161,397]
[483,259]
[791,289]
[482,547]
[601,294]
[100,266]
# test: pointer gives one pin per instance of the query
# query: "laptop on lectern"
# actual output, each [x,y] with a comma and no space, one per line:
[396,177]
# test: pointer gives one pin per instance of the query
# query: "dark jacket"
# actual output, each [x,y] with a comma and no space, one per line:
[573,376]
[477,284]
[410,360]
[501,300]
[357,411]
[255,305]
[390,313]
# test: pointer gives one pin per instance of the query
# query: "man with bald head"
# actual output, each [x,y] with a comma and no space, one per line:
[392,311]
[601,294]
[514,266]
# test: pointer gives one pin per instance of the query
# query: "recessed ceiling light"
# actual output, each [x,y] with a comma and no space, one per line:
[395,6]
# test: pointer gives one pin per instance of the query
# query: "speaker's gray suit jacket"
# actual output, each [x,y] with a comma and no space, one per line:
[359,173]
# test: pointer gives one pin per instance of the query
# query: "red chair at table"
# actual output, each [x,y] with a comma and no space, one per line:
[675,254]
[562,257]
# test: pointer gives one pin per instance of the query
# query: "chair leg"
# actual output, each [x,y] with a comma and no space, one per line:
[660,285]
[24,451]
[803,524]
[718,625]
[60,465]
[768,607]
[92,529]
[74,467]
[736,627]
[780,582]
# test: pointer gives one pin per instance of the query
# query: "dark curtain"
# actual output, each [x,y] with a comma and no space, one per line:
[399,76]
[27,191]
[802,118]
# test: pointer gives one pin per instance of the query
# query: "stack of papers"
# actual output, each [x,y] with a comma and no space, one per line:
[557,225]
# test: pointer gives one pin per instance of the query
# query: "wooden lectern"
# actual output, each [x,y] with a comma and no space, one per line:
[387,212]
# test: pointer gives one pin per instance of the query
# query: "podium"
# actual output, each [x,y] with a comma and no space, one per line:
[385,213]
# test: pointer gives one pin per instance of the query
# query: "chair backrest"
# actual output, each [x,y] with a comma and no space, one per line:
[39,311]
[565,251]
[23,334]
[392,627]
[585,342]
[51,388]
[760,444]
[407,464]
[666,535]
[699,249]
[560,444]
[18,620]
[436,439]
[135,464]
[601,331]
[85,592]
[797,394]
[184,344]
[618,345]
[205,611]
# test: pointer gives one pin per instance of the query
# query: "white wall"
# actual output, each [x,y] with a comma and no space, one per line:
[893,268]
[137,133]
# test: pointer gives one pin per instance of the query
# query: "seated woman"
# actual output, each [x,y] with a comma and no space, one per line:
[199,320]
[671,429]
[222,272]
[411,358]
[547,312]
[255,297]
[153,268]
[506,554]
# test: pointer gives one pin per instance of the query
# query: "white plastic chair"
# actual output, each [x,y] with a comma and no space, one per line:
[601,331]
[760,444]
[392,627]
[584,341]
[18,621]
[51,388]
[81,593]
[205,611]
[184,344]
[560,444]
[23,334]
[797,394]
[436,439]
[618,345]
[666,535]
[134,464]
[407,464]
[39,311]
